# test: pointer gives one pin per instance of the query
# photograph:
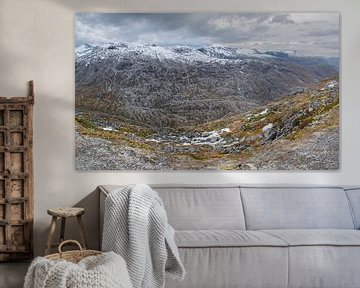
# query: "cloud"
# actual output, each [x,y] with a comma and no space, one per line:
[266,30]
[282,19]
[328,31]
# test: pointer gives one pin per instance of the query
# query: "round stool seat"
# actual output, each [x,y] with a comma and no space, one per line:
[66,211]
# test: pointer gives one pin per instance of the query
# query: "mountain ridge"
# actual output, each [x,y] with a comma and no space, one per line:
[164,86]
[211,51]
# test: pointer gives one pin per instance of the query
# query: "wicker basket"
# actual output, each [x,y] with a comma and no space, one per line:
[72,256]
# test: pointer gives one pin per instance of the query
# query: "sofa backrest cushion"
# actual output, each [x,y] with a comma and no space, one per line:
[296,208]
[203,208]
[354,198]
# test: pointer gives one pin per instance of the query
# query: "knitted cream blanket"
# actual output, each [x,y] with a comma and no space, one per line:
[136,227]
[103,271]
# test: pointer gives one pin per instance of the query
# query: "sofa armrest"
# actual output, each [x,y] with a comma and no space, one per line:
[103,195]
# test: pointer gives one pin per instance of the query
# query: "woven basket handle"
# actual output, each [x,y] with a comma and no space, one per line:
[69,241]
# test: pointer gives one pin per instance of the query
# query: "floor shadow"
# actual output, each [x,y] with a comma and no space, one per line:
[12,274]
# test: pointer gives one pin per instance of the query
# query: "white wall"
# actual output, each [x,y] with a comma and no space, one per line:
[36,42]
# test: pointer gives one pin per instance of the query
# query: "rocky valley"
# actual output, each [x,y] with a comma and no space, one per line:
[218,108]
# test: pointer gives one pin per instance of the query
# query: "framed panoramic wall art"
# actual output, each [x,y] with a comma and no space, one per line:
[190,91]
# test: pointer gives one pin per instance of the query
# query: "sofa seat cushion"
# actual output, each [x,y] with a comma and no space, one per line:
[225,238]
[322,258]
[233,267]
[317,237]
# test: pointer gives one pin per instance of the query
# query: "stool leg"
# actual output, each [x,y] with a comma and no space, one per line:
[62,230]
[51,235]
[82,232]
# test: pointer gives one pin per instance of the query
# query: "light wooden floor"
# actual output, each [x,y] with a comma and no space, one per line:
[12,274]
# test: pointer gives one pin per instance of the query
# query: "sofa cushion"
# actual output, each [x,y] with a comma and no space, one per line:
[204,208]
[224,267]
[226,238]
[322,258]
[324,266]
[296,208]
[315,237]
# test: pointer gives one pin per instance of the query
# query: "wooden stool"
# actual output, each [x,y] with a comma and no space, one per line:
[64,213]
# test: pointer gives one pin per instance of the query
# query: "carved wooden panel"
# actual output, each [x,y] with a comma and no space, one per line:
[16,177]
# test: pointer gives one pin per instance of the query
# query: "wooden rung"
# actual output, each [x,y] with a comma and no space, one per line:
[13,222]
[13,248]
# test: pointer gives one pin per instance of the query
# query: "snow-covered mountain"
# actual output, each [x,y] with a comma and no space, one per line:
[165,85]
[218,54]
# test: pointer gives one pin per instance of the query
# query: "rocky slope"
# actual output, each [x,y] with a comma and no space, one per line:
[166,87]
[296,132]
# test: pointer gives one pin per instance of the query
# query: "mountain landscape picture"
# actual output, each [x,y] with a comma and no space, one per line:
[207,91]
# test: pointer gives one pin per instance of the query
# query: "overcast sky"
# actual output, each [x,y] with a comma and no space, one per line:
[306,33]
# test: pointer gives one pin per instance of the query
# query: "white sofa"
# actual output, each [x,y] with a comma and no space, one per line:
[264,236]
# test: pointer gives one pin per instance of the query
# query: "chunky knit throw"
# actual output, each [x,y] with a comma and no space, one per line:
[136,227]
[103,271]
